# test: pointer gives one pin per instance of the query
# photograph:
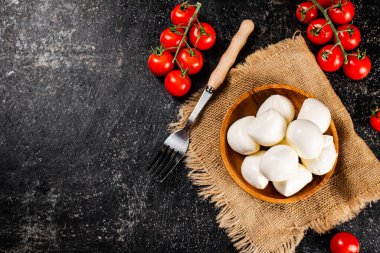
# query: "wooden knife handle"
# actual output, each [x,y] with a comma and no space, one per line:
[228,58]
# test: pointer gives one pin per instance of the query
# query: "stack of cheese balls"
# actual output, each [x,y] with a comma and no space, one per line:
[287,141]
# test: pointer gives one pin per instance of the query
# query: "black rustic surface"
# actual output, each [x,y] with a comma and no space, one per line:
[80,115]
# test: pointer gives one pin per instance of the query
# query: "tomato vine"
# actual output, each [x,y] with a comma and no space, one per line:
[335,32]
[187,28]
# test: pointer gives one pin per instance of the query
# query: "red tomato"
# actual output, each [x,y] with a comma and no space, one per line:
[160,63]
[325,3]
[349,36]
[344,242]
[375,120]
[191,60]
[319,32]
[330,60]
[306,12]
[177,84]
[342,14]
[182,13]
[206,34]
[358,66]
[171,37]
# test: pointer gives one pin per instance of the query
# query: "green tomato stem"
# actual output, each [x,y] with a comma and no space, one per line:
[179,65]
[327,17]
[374,108]
[308,9]
[187,44]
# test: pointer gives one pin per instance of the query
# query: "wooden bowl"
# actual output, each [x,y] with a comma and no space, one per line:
[248,104]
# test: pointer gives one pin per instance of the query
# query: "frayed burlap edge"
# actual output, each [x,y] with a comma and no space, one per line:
[227,218]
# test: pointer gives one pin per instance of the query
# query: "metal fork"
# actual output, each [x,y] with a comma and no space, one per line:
[173,151]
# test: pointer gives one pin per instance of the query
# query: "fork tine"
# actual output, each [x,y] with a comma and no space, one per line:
[174,166]
[164,162]
[169,165]
[158,158]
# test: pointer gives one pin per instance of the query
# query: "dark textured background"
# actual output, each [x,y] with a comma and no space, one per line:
[80,115]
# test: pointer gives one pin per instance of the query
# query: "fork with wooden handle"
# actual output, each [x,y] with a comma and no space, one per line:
[172,152]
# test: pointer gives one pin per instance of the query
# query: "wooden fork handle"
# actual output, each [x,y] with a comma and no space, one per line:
[228,58]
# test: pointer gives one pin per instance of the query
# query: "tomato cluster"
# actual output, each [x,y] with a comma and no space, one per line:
[184,39]
[346,37]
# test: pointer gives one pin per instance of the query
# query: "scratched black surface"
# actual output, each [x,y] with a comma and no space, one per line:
[80,115]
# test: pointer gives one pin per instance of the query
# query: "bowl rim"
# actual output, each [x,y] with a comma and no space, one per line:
[241,182]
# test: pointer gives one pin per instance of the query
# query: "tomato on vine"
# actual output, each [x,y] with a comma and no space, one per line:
[173,42]
[358,66]
[171,37]
[182,13]
[306,12]
[202,36]
[319,32]
[375,119]
[346,37]
[330,58]
[325,3]
[344,242]
[190,60]
[342,12]
[349,36]
[177,83]
[160,62]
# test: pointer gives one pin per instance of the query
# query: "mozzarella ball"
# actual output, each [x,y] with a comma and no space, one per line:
[250,170]
[279,163]
[281,104]
[325,161]
[294,184]
[314,110]
[305,137]
[238,138]
[268,129]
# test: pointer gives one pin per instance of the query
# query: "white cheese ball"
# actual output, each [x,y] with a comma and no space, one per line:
[268,129]
[305,137]
[314,110]
[250,170]
[294,184]
[279,163]
[281,104]
[238,138]
[325,161]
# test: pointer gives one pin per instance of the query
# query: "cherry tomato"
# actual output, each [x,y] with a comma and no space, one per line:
[206,34]
[182,13]
[319,31]
[343,14]
[349,36]
[160,63]
[177,84]
[358,66]
[191,60]
[375,120]
[306,12]
[325,3]
[344,242]
[330,58]
[171,37]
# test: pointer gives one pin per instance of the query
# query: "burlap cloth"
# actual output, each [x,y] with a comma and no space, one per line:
[257,226]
